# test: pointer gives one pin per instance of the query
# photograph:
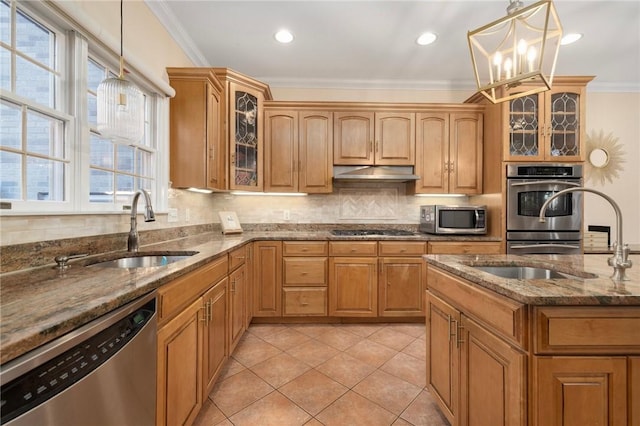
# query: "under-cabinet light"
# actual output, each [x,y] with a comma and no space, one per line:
[274,194]
[200,190]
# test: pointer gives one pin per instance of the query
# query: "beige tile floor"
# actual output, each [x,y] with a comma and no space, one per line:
[322,374]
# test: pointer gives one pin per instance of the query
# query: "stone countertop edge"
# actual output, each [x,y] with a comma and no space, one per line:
[37,305]
[590,284]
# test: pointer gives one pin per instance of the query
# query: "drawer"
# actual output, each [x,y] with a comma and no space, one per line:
[353,248]
[460,247]
[305,271]
[305,301]
[237,257]
[402,248]
[305,248]
[180,292]
[500,314]
[587,330]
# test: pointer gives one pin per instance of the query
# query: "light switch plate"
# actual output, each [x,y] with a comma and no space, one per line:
[172,215]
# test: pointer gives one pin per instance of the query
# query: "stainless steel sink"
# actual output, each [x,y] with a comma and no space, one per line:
[522,272]
[145,260]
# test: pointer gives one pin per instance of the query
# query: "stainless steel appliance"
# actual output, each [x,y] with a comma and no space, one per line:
[103,373]
[528,187]
[446,219]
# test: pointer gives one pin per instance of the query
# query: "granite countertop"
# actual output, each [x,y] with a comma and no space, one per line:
[590,283]
[40,304]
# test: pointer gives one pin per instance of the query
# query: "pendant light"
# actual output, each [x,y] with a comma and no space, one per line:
[120,105]
[516,55]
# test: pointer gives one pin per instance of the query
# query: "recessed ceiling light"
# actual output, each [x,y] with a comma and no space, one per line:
[570,38]
[284,36]
[426,38]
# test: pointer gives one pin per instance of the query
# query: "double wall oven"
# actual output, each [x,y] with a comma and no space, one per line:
[528,187]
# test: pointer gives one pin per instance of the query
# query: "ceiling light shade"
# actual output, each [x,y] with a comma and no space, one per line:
[120,106]
[516,55]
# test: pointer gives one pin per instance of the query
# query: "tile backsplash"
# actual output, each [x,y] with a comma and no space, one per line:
[349,203]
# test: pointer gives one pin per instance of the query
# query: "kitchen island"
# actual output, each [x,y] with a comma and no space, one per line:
[563,350]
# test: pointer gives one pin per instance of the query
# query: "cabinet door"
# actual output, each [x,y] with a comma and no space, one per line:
[216,151]
[443,361]
[353,289]
[524,128]
[492,379]
[281,151]
[395,138]
[465,153]
[267,272]
[634,390]
[237,284]
[215,334]
[246,145]
[353,138]
[564,122]
[401,286]
[195,155]
[576,391]
[315,171]
[248,306]
[179,392]
[432,147]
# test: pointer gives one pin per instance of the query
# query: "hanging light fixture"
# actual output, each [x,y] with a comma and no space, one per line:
[120,105]
[516,55]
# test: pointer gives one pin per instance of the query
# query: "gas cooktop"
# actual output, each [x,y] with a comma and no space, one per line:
[364,232]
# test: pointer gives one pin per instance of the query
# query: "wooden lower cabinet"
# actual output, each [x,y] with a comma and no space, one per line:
[267,276]
[215,333]
[304,291]
[577,391]
[461,247]
[401,286]
[353,286]
[180,349]
[443,360]
[634,390]
[492,378]
[237,298]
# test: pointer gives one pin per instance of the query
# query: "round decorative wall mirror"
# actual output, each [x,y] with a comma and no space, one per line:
[604,157]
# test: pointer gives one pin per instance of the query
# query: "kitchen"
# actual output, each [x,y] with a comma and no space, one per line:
[613,112]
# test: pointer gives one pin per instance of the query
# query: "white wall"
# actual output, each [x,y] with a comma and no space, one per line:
[617,114]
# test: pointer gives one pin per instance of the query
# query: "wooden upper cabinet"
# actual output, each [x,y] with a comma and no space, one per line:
[367,138]
[298,151]
[242,128]
[197,153]
[449,152]
[547,126]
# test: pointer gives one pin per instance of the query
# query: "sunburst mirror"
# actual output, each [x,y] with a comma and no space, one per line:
[604,157]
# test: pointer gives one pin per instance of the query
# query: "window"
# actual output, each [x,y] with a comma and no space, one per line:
[34,147]
[116,171]
[52,158]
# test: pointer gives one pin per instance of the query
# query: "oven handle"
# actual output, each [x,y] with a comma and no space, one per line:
[528,246]
[542,182]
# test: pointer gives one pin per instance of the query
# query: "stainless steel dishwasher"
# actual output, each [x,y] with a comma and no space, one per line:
[103,373]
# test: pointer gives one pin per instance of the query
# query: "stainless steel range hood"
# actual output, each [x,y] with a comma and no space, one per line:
[374,173]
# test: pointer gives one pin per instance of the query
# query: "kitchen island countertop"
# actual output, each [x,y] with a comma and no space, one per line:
[589,284]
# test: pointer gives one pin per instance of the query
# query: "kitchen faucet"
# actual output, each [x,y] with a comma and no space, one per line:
[149,216]
[620,260]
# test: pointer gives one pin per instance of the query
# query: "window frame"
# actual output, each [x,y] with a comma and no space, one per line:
[76,47]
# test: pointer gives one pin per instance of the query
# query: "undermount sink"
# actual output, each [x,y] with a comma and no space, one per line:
[145,260]
[522,272]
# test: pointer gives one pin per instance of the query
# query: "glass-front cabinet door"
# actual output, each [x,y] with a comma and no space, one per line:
[246,139]
[548,126]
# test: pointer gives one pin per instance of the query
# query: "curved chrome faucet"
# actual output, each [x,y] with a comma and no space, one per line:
[149,216]
[620,260]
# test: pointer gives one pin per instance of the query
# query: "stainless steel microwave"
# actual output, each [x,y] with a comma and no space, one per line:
[444,219]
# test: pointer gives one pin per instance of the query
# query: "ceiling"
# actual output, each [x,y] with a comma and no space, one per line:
[359,44]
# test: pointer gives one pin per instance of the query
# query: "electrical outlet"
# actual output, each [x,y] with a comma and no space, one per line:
[287,215]
[187,215]
[172,215]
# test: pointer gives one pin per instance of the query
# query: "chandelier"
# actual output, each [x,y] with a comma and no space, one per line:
[516,55]
[120,105]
